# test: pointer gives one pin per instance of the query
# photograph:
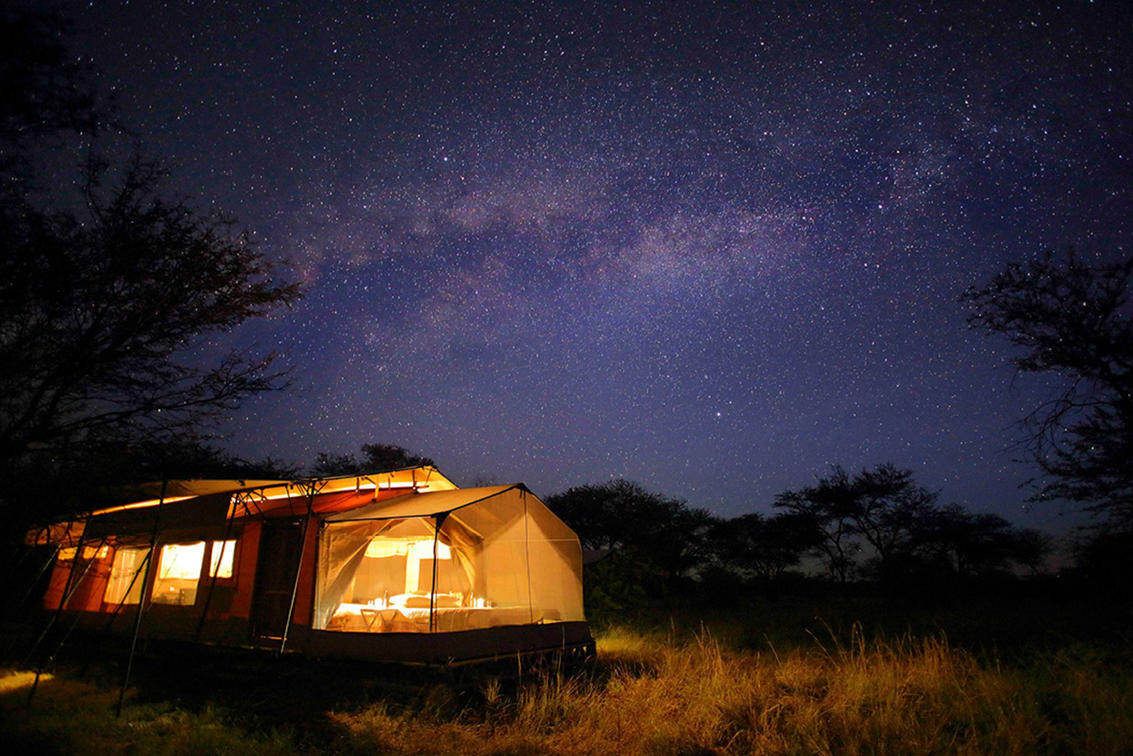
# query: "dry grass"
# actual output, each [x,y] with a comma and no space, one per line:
[905,697]
[654,694]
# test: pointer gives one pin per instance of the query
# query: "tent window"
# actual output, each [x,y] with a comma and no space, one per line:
[178,573]
[89,552]
[223,557]
[125,584]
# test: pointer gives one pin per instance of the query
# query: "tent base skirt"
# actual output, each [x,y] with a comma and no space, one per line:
[450,648]
[569,639]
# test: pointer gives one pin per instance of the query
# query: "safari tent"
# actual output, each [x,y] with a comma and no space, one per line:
[399,566]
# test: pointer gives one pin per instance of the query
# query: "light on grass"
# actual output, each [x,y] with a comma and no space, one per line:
[658,694]
[20,680]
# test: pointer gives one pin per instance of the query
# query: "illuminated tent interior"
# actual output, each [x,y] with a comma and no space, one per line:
[454,560]
[401,566]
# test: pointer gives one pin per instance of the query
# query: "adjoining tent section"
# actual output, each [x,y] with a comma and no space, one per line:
[400,566]
[454,560]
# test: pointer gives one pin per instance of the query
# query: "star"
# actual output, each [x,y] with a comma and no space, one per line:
[547,254]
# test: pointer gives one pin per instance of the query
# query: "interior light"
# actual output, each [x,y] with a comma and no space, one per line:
[182,561]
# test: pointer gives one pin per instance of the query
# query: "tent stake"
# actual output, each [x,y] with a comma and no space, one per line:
[311,488]
[142,598]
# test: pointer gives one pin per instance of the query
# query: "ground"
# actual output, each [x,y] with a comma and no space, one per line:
[1018,676]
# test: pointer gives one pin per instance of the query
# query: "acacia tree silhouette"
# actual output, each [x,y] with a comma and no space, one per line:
[107,282]
[649,543]
[1073,319]
[375,458]
[885,510]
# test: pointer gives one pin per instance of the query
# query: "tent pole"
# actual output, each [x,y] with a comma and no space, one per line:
[69,588]
[64,595]
[114,615]
[142,598]
[298,566]
[433,587]
[212,582]
[75,624]
[527,556]
[140,571]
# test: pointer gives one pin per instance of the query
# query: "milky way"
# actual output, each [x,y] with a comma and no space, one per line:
[711,249]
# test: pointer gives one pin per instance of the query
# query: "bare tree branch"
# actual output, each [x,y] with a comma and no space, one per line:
[1073,319]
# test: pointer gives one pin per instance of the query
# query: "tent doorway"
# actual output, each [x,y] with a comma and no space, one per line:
[280,543]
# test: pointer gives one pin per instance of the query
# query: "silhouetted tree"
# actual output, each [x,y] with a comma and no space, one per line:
[103,296]
[764,547]
[1103,561]
[1031,549]
[44,486]
[1072,319]
[389,457]
[651,542]
[375,458]
[182,457]
[336,464]
[974,544]
[828,506]
[883,507]
[891,513]
[909,536]
[47,92]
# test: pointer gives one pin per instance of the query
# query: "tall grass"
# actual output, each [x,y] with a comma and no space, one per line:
[908,696]
[660,694]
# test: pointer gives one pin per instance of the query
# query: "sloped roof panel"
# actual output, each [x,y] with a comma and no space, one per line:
[422,504]
[149,494]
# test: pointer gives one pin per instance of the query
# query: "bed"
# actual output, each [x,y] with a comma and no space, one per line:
[409,613]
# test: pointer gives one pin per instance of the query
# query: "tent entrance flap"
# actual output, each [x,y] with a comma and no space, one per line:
[280,543]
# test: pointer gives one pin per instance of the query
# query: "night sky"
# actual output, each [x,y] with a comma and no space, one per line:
[711,248]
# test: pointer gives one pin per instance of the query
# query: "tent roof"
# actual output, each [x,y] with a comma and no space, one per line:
[177,489]
[194,492]
[422,504]
[149,494]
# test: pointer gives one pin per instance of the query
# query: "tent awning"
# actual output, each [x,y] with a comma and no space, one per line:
[199,512]
[422,504]
[194,499]
[178,489]
[149,494]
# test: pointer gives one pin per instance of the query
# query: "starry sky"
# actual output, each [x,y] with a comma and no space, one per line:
[714,248]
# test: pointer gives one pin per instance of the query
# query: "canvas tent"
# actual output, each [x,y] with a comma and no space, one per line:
[396,566]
